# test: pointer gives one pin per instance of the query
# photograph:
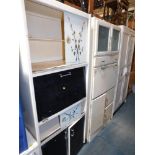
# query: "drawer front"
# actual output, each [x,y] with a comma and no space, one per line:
[108,113]
[97,113]
[109,96]
[104,60]
[57,91]
[104,78]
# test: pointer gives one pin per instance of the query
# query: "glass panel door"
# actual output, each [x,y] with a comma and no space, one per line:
[115,39]
[103,36]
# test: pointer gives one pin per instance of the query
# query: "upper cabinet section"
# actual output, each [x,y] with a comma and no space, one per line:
[106,37]
[56,37]
[75,38]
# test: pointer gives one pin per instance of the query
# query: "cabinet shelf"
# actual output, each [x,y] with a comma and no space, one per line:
[32,143]
[41,66]
[45,39]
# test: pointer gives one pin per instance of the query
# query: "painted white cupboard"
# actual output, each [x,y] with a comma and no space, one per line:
[124,65]
[105,44]
[54,38]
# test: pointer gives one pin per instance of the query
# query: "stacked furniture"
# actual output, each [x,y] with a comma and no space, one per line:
[103,74]
[125,62]
[54,48]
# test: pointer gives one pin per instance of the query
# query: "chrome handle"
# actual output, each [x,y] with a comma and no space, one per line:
[69,74]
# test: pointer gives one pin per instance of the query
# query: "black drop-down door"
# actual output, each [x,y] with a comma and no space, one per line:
[76,137]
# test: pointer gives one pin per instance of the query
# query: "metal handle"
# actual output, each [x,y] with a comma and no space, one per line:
[72,132]
[110,65]
[69,74]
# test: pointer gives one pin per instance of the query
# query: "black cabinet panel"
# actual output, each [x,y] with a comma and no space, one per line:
[57,145]
[76,137]
[57,91]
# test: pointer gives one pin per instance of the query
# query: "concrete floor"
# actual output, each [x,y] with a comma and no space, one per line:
[118,137]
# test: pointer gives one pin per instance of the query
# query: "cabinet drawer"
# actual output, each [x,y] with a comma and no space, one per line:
[108,113]
[56,91]
[97,113]
[104,60]
[109,96]
[104,79]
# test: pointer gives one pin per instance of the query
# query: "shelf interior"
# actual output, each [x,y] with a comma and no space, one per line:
[46,65]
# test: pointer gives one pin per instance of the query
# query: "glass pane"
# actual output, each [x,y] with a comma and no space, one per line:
[103,38]
[115,38]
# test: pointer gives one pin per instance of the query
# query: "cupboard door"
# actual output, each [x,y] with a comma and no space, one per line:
[57,145]
[103,38]
[97,113]
[108,113]
[118,95]
[109,97]
[56,91]
[130,51]
[124,46]
[104,79]
[115,40]
[75,28]
[76,137]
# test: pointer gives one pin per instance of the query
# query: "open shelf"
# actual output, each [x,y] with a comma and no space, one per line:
[32,143]
[41,66]
[56,38]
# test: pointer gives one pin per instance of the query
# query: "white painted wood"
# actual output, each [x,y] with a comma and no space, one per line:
[26,82]
[45,36]
[56,69]
[97,113]
[32,144]
[76,36]
[109,97]
[123,50]
[104,60]
[62,7]
[49,127]
[104,78]
[130,51]
[108,113]
[118,95]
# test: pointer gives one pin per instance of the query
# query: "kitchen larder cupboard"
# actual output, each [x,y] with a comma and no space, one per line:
[54,42]
[124,65]
[103,73]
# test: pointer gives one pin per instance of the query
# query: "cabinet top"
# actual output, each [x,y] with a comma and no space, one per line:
[62,7]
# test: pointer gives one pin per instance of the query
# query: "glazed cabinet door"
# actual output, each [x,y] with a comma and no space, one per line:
[115,40]
[97,113]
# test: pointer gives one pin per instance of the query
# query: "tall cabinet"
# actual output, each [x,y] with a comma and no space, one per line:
[125,62]
[103,73]
[54,54]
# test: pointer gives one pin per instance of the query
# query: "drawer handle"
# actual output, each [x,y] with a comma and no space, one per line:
[69,74]
[103,68]
[103,61]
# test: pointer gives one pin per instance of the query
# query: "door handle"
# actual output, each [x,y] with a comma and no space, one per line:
[68,74]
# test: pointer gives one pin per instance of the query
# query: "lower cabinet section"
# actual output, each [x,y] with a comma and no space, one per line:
[97,113]
[57,145]
[108,113]
[76,137]
[68,142]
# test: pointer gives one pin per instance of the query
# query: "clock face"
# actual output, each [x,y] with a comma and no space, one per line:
[70,115]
